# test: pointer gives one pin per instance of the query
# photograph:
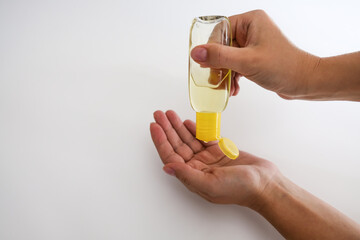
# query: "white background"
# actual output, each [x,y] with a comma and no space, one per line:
[79,81]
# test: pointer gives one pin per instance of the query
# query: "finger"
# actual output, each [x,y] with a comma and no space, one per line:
[177,144]
[237,89]
[242,23]
[239,28]
[163,146]
[220,35]
[191,126]
[232,90]
[195,180]
[236,84]
[234,76]
[183,132]
[220,56]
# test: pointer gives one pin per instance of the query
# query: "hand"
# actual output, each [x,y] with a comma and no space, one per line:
[204,169]
[262,54]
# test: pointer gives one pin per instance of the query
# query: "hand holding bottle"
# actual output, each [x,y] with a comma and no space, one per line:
[262,54]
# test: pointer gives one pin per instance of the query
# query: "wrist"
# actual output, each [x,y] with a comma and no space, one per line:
[316,78]
[266,181]
[274,189]
[300,76]
[307,76]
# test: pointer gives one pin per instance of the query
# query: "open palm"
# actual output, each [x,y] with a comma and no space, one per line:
[203,168]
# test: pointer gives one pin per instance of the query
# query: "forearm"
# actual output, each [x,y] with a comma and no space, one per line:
[297,214]
[335,78]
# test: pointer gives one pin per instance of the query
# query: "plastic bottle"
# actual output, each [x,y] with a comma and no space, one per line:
[209,89]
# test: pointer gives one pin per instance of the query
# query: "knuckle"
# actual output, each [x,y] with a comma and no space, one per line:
[260,12]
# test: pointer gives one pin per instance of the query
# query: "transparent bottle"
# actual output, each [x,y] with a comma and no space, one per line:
[209,89]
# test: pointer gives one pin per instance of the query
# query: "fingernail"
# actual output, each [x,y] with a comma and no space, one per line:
[199,54]
[169,171]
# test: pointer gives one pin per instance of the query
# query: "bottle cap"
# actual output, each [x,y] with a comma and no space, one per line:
[208,126]
[208,129]
[229,148]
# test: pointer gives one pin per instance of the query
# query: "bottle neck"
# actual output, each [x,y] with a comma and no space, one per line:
[208,126]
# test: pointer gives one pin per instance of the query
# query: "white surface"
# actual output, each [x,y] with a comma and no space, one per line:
[79,81]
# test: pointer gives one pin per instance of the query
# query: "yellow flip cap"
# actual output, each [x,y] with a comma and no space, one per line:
[208,129]
[229,148]
[208,126]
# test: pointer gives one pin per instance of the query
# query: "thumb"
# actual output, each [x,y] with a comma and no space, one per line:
[219,56]
[195,180]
